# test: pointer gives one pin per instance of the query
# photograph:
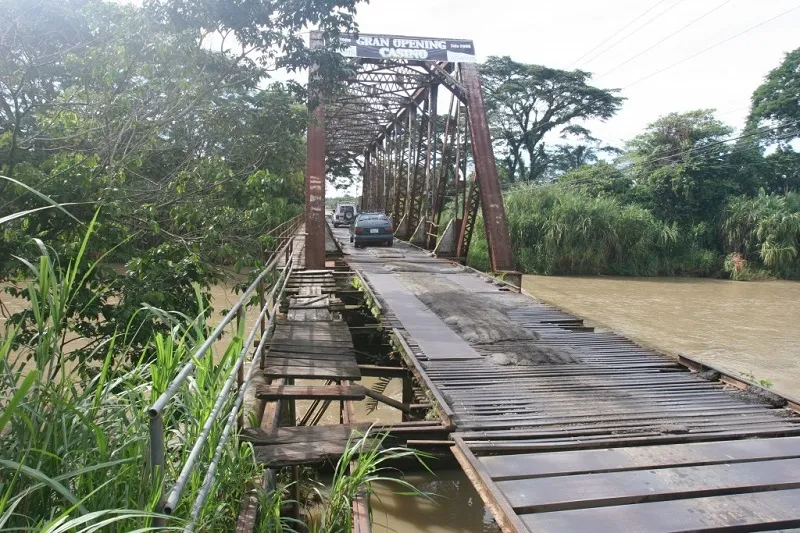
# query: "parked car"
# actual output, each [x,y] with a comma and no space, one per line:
[344,214]
[371,228]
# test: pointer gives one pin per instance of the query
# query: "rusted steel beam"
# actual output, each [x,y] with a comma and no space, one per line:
[417,183]
[441,182]
[443,74]
[315,192]
[315,180]
[380,177]
[430,152]
[399,182]
[494,213]
[494,499]
[365,183]
[471,201]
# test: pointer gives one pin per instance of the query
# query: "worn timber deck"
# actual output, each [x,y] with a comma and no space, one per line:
[563,429]
[310,344]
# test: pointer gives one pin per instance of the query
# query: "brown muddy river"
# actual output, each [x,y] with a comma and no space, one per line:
[750,328]
[744,327]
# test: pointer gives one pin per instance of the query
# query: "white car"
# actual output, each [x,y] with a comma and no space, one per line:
[344,214]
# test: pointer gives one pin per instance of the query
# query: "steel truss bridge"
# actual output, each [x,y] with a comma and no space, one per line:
[411,154]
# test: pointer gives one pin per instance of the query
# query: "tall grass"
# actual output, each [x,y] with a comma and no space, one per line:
[764,234]
[565,231]
[363,463]
[73,449]
[74,443]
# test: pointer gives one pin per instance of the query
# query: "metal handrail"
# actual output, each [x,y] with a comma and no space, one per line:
[157,453]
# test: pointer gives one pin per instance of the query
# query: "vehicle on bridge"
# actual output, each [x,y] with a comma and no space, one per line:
[344,214]
[371,228]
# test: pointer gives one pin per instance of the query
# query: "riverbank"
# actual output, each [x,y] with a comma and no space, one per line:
[751,328]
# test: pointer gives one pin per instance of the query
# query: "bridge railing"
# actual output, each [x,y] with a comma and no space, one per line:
[270,284]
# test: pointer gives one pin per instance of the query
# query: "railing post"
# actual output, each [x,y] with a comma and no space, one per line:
[240,372]
[157,463]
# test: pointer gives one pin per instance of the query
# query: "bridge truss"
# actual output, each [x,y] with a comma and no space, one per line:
[417,162]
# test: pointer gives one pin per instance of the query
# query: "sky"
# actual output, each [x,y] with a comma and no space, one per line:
[559,34]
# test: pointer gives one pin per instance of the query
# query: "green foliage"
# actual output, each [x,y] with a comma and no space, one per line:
[525,102]
[776,103]
[72,448]
[560,230]
[782,173]
[765,233]
[682,169]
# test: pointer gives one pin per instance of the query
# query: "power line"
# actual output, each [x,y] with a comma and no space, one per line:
[618,32]
[635,31]
[702,150]
[751,28]
[670,36]
[708,147]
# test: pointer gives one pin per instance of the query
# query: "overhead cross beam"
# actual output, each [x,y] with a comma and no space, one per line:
[386,119]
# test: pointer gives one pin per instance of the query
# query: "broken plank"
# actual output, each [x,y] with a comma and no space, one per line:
[310,372]
[310,392]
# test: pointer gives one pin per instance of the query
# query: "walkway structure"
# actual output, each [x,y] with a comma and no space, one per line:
[562,428]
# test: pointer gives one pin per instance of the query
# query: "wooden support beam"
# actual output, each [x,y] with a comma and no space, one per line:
[374,371]
[310,392]
[388,401]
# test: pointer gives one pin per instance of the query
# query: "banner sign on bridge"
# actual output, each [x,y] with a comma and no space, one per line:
[412,48]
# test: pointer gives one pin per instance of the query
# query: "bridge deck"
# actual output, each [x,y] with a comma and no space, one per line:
[566,429]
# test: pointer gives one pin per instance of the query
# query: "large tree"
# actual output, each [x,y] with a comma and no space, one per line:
[526,102]
[775,112]
[683,167]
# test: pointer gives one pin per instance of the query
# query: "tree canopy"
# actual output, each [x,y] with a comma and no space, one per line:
[164,120]
[775,110]
[526,102]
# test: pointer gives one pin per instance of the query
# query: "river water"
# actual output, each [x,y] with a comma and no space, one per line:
[744,327]
[750,328]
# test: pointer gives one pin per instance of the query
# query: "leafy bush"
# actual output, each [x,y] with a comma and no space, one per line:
[765,232]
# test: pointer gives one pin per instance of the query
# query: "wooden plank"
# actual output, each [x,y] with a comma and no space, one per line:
[315,349]
[288,435]
[743,512]
[619,488]
[313,372]
[387,371]
[532,465]
[313,356]
[310,392]
[298,453]
[310,360]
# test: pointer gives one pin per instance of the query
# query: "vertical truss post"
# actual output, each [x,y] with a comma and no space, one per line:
[430,158]
[457,162]
[441,182]
[491,198]
[415,194]
[381,176]
[399,183]
[471,201]
[366,184]
[388,188]
[405,192]
[315,180]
